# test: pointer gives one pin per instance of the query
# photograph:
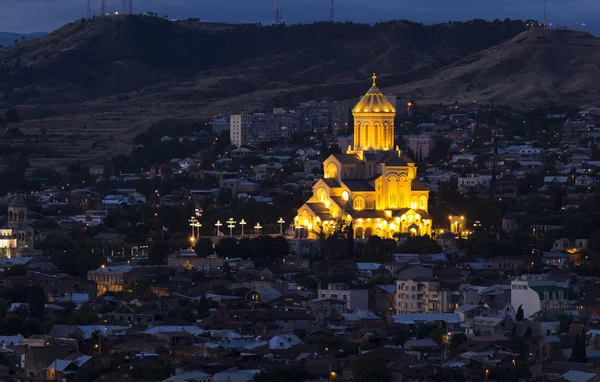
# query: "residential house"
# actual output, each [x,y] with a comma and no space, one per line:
[323,308]
[66,369]
[356,298]
[488,325]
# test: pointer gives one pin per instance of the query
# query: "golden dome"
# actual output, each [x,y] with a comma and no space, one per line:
[374,102]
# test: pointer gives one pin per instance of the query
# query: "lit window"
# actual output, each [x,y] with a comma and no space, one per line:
[345,195]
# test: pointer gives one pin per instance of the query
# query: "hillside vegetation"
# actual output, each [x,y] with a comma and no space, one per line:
[93,85]
[110,55]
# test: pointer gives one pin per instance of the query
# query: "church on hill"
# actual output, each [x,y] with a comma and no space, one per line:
[373,185]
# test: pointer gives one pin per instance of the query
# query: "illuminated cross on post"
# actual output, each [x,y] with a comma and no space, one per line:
[231,225]
[258,227]
[197,225]
[218,224]
[280,221]
[243,223]
[194,223]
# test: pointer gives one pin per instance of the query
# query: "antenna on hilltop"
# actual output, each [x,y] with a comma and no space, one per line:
[102,7]
[331,8]
[89,11]
[131,7]
[124,7]
[277,19]
[545,7]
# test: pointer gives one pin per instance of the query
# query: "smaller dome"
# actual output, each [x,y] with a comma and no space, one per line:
[18,201]
[374,102]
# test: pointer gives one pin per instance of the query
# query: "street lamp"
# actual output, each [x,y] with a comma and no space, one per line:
[243,223]
[192,221]
[195,224]
[280,221]
[231,225]
[218,224]
[258,227]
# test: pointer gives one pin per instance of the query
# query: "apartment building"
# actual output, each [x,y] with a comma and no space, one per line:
[430,295]
[250,130]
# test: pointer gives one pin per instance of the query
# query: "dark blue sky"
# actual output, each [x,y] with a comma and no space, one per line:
[46,15]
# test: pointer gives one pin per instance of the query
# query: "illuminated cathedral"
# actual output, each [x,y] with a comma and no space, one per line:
[373,185]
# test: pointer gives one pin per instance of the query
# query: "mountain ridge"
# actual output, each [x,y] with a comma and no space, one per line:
[95,84]
[9,38]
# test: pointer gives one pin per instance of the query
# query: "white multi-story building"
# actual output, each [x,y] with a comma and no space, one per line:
[355,298]
[426,295]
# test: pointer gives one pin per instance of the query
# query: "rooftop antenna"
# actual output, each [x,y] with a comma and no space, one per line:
[331,8]
[89,10]
[102,7]
[545,7]
[277,19]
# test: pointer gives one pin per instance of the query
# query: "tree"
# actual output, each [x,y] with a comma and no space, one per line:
[419,244]
[284,373]
[227,247]
[226,271]
[85,315]
[12,116]
[579,352]
[520,314]
[224,197]
[333,240]
[158,253]
[564,323]
[575,349]
[350,241]
[457,339]
[36,301]
[204,247]
[370,369]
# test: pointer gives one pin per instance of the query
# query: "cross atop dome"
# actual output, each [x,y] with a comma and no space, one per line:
[374,77]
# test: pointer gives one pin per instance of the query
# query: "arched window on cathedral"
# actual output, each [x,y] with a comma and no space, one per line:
[365,136]
[370,203]
[359,203]
[414,202]
[321,195]
[332,171]
[423,202]
[376,135]
[392,200]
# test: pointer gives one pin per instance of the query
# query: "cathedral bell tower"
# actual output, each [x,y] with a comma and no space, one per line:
[17,211]
[374,121]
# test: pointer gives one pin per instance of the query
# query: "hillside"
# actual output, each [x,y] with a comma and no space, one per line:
[534,67]
[88,59]
[9,38]
[95,84]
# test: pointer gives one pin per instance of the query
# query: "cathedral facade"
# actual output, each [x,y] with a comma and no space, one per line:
[373,185]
